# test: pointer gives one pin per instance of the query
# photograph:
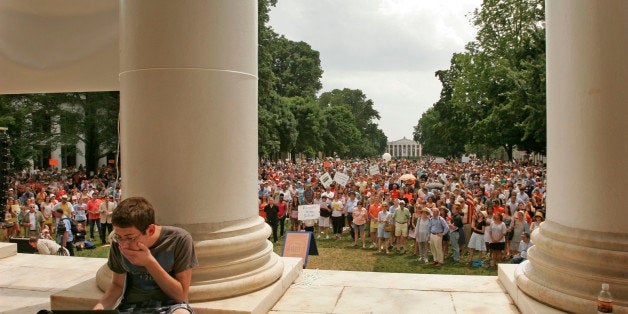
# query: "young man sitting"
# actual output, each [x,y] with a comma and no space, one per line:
[151,264]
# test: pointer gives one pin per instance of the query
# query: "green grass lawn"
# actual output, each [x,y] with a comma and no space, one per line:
[341,255]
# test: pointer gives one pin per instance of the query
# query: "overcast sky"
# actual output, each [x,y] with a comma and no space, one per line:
[389,49]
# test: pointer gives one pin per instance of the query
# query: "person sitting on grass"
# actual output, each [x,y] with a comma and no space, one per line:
[151,264]
[524,245]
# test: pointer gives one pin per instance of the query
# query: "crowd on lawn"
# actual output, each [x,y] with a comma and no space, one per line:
[478,212]
[435,209]
[61,209]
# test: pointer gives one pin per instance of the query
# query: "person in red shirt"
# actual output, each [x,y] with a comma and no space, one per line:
[283,206]
[394,191]
[497,208]
[93,215]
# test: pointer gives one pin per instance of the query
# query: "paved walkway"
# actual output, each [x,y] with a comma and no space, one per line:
[326,291]
[27,281]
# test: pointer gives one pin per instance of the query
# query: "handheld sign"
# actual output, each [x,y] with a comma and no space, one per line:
[307,212]
[440,160]
[341,178]
[373,170]
[465,159]
[326,180]
[297,244]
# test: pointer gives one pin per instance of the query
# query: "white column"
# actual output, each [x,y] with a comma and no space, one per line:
[584,241]
[80,154]
[188,107]
[56,150]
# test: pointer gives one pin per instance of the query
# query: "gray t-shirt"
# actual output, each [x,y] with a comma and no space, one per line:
[174,250]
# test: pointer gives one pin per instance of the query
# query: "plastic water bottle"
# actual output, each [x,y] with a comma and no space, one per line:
[605,300]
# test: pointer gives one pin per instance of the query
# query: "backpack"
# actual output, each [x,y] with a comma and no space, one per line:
[73,227]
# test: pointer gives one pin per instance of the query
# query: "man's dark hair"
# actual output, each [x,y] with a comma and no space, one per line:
[133,212]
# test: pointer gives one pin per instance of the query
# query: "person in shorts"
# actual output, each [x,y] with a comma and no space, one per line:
[151,264]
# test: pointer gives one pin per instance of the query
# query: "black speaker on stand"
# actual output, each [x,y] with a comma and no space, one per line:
[6,166]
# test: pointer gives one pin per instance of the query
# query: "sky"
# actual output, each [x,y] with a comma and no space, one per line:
[389,49]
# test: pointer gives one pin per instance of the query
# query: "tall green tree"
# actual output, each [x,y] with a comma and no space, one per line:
[372,140]
[341,137]
[310,126]
[297,68]
[493,94]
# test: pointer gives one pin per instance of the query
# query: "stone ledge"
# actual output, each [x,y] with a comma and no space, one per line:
[84,295]
[527,305]
[7,249]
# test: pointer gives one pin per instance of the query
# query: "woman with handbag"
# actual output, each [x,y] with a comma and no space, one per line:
[385,223]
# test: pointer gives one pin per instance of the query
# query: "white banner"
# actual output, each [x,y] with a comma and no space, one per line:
[307,212]
[465,159]
[440,160]
[341,178]
[373,170]
[326,180]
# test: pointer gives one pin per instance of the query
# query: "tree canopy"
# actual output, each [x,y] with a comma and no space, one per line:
[493,94]
[292,119]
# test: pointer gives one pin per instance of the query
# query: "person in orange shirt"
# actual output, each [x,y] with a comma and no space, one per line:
[374,209]
[394,191]
[262,204]
[498,209]
[93,215]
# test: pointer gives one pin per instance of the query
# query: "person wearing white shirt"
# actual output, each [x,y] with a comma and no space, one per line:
[106,210]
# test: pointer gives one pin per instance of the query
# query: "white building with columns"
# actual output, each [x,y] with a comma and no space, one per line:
[404,148]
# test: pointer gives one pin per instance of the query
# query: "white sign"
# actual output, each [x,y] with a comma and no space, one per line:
[440,160]
[466,159]
[373,170]
[326,180]
[307,212]
[341,178]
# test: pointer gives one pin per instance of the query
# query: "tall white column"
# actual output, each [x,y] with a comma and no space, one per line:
[56,150]
[584,241]
[188,115]
[80,154]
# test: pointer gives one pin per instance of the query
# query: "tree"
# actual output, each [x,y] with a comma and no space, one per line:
[341,137]
[372,140]
[310,125]
[493,94]
[297,68]
[38,123]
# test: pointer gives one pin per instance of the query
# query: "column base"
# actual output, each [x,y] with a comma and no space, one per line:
[567,266]
[86,294]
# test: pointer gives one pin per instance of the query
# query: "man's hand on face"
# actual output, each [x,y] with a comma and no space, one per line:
[140,255]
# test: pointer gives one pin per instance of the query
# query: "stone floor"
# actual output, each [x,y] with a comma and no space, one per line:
[27,281]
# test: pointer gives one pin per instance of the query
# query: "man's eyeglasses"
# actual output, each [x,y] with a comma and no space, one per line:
[116,238]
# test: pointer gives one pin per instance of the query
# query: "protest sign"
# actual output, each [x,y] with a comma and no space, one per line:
[307,212]
[326,180]
[341,178]
[465,159]
[440,160]
[373,170]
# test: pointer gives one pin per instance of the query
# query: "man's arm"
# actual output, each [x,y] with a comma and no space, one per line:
[176,287]
[113,293]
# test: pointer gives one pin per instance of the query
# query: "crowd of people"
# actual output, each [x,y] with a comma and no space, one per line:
[61,209]
[477,212]
[435,209]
